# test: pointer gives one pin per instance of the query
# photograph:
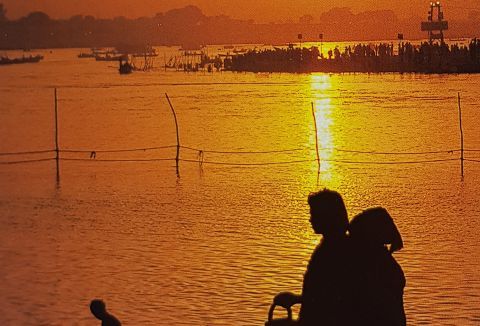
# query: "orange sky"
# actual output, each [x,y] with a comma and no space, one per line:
[259,10]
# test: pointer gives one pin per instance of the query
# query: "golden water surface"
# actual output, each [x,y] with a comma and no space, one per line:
[213,246]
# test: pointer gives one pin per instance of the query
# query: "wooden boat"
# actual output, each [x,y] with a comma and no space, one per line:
[86,55]
[24,59]
[147,51]
[137,50]
[108,57]
[93,53]
[141,55]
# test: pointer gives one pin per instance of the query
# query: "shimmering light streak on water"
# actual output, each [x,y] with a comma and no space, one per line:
[320,87]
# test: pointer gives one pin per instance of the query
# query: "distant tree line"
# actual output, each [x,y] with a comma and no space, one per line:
[189,27]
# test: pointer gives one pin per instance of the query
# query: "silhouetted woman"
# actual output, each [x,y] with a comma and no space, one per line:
[378,280]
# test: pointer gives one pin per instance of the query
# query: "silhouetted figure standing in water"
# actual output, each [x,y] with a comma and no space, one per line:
[378,279]
[98,309]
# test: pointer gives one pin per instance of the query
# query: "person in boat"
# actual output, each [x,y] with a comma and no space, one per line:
[98,309]
[378,278]
[325,294]
[125,66]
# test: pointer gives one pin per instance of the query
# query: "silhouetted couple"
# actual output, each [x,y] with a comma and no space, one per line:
[352,278]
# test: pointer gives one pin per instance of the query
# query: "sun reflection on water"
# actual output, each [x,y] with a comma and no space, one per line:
[320,87]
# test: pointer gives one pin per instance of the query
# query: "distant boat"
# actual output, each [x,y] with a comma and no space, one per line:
[144,51]
[152,53]
[24,59]
[93,53]
[86,55]
[137,50]
[109,57]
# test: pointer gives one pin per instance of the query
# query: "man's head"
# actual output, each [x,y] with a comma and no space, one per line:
[328,213]
[98,308]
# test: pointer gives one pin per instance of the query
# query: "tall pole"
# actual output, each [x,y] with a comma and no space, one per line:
[177,158]
[316,138]
[57,152]
[461,134]
[321,45]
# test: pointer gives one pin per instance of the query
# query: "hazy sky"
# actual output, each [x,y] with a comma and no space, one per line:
[259,10]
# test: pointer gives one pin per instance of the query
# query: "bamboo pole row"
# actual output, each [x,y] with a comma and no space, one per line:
[178,146]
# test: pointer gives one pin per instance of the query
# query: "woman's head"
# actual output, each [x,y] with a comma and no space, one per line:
[328,213]
[375,226]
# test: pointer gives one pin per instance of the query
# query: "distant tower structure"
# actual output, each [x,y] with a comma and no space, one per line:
[435,27]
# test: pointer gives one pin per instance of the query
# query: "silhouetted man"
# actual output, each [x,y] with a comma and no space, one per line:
[325,298]
[325,288]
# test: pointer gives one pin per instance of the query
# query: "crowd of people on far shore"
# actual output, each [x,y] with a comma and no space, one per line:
[433,57]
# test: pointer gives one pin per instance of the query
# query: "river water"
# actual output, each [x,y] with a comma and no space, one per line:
[214,245]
